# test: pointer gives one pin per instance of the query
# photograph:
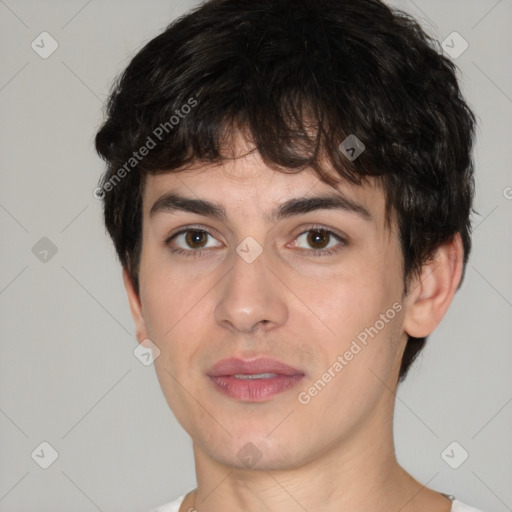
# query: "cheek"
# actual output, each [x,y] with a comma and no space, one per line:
[167,295]
[358,375]
[178,316]
[364,320]
[348,303]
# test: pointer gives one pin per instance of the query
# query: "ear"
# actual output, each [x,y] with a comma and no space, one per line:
[431,294]
[135,308]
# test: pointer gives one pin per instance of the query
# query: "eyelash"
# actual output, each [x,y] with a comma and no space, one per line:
[313,252]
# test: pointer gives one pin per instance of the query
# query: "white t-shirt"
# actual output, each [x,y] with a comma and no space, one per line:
[174,506]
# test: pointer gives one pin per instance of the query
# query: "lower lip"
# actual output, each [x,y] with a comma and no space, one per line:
[254,390]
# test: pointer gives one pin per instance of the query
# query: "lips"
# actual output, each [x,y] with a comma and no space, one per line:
[235,366]
[253,380]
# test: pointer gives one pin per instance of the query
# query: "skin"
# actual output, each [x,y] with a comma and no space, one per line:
[297,308]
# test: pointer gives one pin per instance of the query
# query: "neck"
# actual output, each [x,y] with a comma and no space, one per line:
[359,472]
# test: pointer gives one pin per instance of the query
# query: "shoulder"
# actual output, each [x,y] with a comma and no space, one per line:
[172,506]
[459,506]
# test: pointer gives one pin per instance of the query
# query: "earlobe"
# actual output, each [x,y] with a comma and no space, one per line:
[135,307]
[432,293]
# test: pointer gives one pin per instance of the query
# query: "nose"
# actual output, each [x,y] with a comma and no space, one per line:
[251,297]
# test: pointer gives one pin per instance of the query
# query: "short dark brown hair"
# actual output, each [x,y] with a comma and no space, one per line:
[297,77]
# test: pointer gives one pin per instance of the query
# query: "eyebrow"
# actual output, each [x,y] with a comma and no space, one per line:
[172,202]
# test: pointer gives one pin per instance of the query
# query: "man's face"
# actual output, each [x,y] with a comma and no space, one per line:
[288,303]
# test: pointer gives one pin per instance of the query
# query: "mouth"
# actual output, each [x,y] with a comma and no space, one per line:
[253,380]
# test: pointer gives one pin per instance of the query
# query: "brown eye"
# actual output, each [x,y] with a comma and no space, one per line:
[196,239]
[318,238]
[320,241]
[190,242]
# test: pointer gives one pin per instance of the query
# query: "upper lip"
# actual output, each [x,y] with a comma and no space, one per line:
[233,366]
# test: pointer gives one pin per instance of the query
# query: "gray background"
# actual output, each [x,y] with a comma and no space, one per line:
[68,375]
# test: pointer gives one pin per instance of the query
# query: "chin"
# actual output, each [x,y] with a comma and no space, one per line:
[255,452]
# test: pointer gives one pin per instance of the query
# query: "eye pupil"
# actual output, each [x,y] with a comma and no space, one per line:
[315,235]
[194,237]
